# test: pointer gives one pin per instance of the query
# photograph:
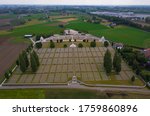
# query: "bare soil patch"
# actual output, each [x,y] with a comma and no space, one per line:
[8,54]
[67,20]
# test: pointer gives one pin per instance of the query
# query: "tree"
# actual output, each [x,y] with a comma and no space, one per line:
[80,45]
[138,70]
[147,20]
[108,62]
[52,45]
[33,63]
[106,44]
[145,75]
[65,45]
[134,65]
[117,62]
[25,56]
[141,58]
[38,45]
[84,40]
[61,25]
[38,37]
[133,78]
[93,44]
[36,58]
[22,63]
[17,62]
[7,75]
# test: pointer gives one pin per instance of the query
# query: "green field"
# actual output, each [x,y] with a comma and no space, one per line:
[124,34]
[50,94]
[84,26]
[18,33]
[36,29]
[127,35]
[68,94]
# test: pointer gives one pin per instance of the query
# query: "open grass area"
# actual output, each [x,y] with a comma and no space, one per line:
[32,22]
[7,15]
[61,45]
[84,26]
[18,33]
[124,34]
[118,82]
[68,94]
[36,29]
[50,94]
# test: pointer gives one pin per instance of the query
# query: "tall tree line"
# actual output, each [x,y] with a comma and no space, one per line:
[24,61]
[109,64]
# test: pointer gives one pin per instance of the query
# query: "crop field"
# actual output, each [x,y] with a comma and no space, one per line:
[66,20]
[124,34]
[59,65]
[8,54]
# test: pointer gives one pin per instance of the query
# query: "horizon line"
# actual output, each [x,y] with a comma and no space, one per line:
[68,5]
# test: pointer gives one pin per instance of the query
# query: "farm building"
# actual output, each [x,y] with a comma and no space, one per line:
[118,45]
[27,36]
[146,53]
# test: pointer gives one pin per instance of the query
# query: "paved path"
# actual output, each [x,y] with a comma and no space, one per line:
[77,86]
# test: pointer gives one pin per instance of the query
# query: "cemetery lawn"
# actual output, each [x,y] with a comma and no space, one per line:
[59,65]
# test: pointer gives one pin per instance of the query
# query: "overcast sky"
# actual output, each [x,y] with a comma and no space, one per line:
[78,2]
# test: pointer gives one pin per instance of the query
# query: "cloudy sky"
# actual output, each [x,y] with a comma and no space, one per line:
[78,2]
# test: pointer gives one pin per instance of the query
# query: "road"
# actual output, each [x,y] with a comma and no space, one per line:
[77,86]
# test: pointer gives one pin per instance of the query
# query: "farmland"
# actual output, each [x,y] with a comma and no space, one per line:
[124,34]
[59,65]
[8,54]
[54,76]
[91,64]
[120,33]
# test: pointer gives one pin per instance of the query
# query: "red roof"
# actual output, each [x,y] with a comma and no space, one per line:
[147,52]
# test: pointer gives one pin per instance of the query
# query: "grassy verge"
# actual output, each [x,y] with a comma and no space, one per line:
[50,94]
[61,45]
[69,94]
[118,82]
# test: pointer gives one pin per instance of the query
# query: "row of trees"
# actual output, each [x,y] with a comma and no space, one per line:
[109,63]
[24,61]
[137,61]
[52,45]
[147,20]
[9,72]
[123,21]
